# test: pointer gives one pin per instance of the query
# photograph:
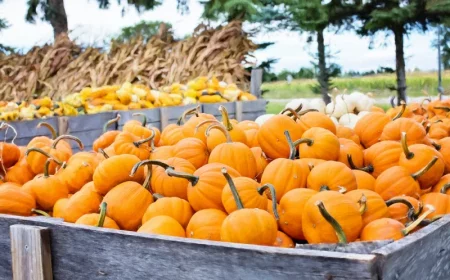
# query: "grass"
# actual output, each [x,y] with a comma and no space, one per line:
[377,84]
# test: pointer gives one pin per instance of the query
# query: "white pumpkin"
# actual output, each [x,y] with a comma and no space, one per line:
[263,118]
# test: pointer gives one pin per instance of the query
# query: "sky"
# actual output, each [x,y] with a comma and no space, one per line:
[90,25]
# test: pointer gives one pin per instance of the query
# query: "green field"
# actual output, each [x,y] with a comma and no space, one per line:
[377,84]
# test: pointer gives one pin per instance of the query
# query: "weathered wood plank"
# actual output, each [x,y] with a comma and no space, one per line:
[30,253]
[95,253]
[253,109]
[213,109]
[171,114]
[153,117]
[256,82]
[424,254]
[353,247]
[26,130]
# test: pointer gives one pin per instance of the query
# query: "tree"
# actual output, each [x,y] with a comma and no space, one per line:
[54,12]
[144,29]
[400,17]
[231,9]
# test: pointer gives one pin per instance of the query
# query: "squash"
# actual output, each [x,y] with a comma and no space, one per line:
[98,220]
[191,127]
[364,181]
[174,207]
[370,127]
[444,149]
[331,175]
[416,133]
[15,201]
[381,156]
[283,241]
[192,150]
[438,201]
[348,147]
[163,225]
[372,204]
[129,143]
[108,136]
[347,133]
[443,186]
[318,143]
[260,160]
[309,119]
[206,224]
[404,208]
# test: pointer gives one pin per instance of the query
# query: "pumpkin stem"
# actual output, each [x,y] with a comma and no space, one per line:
[342,189]
[225,118]
[140,142]
[146,183]
[101,151]
[413,225]
[220,127]
[292,148]
[425,168]
[182,118]
[368,168]
[298,109]
[69,137]
[4,125]
[190,177]
[423,101]
[436,145]
[157,196]
[110,122]
[233,189]
[411,211]
[49,127]
[362,204]
[445,188]
[34,149]
[46,165]
[324,188]
[446,109]
[406,151]
[40,212]
[101,219]
[292,113]
[205,122]
[309,142]
[427,128]
[310,166]
[273,194]
[144,118]
[336,226]
[402,110]
[304,112]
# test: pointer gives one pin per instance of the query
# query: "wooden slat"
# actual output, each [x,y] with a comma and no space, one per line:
[213,109]
[171,114]
[424,254]
[30,251]
[96,253]
[27,130]
[256,82]
[353,247]
[153,117]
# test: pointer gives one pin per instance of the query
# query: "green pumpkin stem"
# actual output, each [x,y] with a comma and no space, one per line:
[425,168]
[336,226]
[49,127]
[412,213]
[309,142]
[101,219]
[157,196]
[291,113]
[68,137]
[40,212]
[273,194]
[324,188]
[148,139]
[414,224]
[220,127]
[234,191]
[436,145]
[368,168]
[292,148]
[191,178]
[110,122]
[406,151]
[182,118]
[402,110]
[144,118]
[445,188]
[101,151]
[225,118]
[444,108]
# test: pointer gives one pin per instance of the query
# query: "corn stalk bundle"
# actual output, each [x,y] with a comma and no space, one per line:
[63,68]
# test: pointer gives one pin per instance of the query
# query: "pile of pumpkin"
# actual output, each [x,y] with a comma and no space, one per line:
[125,97]
[295,177]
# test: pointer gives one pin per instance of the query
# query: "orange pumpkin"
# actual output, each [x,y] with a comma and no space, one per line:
[370,127]
[140,130]
[252,137]
[350,148]
[174,207]
[318,143]
[331,175]
[20,173]
[247,125]
[98,220]
[206,224]
[404,208]
[347,133]
[372,204]
[189,129]
[381,156]
[163,225]
[172,134]
[108,137]
[77,173]
[444,149]
[416,133]
[316,119]
[439,203]
[443,186]
[364,181]
[128,143]
[260,160]
[15,201]
[9,152]
[192,150]
[283,241]
[162,153]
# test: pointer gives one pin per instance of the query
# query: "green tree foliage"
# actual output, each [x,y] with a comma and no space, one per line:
[229,10]
[143,29]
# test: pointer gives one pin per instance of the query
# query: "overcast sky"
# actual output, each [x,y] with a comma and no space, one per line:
[91,25]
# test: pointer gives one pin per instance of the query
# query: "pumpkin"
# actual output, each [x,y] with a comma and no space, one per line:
[260,160]
[248,125]
[318,143]
[15,201]
[140,130]
[416,133]
[389,229]
[250,193]
[20,173]
[174,207]
[399,111]
[85,201]
[46,189]
[163,225]
[404,208]
[234,154]
[98,220]
[192,150]
[286,174]
[271,136]
[438,130]
[77,173]
[331,175]
[116,170]
[316,119]
[374,206]
[438,201]
[172,134]
[128,143]
[364,181]
[291,209]
[9,152]
[444,149]
[252,137]
[283,241]
[398,180]
[331,217]
[206,224]
[350,148]
[189,129]
[347,133]
[381,156]
[370,127]
[108,137]
[443,186]
[162,153]
[414,157]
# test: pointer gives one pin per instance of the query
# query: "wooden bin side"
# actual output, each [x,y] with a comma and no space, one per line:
[213,109]
[26,130]
[170,115]
[95,253]
[153,117]
[250,110]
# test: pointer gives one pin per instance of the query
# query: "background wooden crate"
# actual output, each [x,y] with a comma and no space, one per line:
[250,110]
[26,130]
[171,114]
[153,117]
[81,252]
[86,127]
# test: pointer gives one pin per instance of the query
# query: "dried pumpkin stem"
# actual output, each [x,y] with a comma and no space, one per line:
[101,151]
[304,112]
[191,178]
[411,211]
[101,219]
[292,113]
[445,188]
[182,118]
[220,127]
[413,225]
[406,151]
[148,139]
[47,164]
[144,118]
[309,142]
[427,128]
[324,188]
[368,168]
[205,122]
[444,108]
[38,150]
[68,137]
[298,109]
[402,110]
[40,212]
[292,148]
[225,118]
[233,189]
[49,127]
[425,168]
[342,189]
[362,204]
[110,122]
[336,226]
[157,196]
[4,125]
[273,194]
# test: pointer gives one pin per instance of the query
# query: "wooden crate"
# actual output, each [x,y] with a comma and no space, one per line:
[26,130]
[170,115]
[66,251]
[250,110]
[213,109]
[153,117]
[86,127]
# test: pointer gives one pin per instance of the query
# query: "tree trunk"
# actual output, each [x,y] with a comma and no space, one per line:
[323,75]
[400,64]
[57,17]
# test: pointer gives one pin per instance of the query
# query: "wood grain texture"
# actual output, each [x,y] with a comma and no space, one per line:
[30,251]
[354,247]
[424,254]
[256,82]
[253,109]
[94,253]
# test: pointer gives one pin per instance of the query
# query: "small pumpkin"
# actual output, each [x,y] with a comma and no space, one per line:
[9,152]
[162,153]
[347,133]
[129,143]
[174,207]
[108,136]
[444,149]
[192,150]
[373,205]
[260,160]
[189,129]
[283,241]
[15,201]
[331,175]
[364,181]
[439,201]
[404,208]
[206,224]
[172,134]
[416,133]
[381,156]
[98,220]
[20,173]
[140,130]
[443,186]
[370,127]
[252,137]
[348,147]
[316,119]
[163,225]
[318,143]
